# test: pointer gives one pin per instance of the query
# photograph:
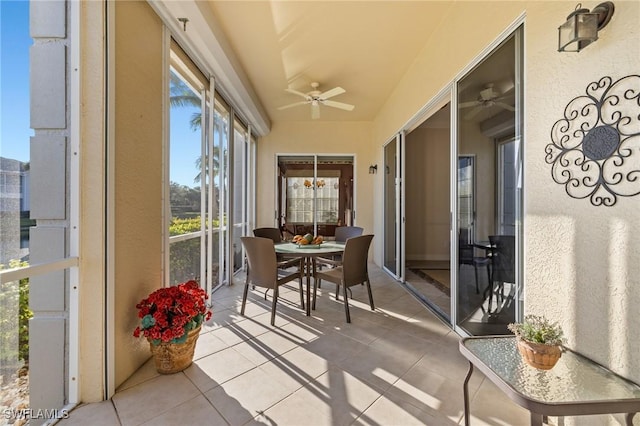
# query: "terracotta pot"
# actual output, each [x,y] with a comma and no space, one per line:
[174,357]
[539,356]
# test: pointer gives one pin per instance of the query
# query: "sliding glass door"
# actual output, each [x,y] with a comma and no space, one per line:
[488,191]
[461,169]
[393,244]
[427,201]
[315,194]
[239,196]
[208,156]
[188,104]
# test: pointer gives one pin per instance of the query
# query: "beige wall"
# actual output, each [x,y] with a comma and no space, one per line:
[474,142]
[316,137]
[427,194]
[92,220]
[581,262]
[138,175]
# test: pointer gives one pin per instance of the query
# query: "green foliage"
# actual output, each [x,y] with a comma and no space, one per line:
[14,326]
[180,226]
[538,329]
[184,226]
[184,261]
[185,255]
[184,199]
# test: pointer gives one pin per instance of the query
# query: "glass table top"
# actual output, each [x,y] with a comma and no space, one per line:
[327,247]
[574,379]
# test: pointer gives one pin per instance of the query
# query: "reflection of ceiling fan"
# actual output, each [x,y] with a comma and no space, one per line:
[317,98]
[488,97]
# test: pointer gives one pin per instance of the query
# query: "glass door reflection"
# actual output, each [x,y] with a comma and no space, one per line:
[391,200]
[488,198]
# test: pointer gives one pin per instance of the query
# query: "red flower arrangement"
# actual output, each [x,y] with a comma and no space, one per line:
[168,314]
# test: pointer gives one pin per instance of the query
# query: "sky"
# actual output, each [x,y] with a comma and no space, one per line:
[14,79]
[15,132]
[185,145]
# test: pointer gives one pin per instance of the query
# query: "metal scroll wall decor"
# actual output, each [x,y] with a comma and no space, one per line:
[595,148]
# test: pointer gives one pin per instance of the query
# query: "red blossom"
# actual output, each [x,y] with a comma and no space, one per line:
[170,310]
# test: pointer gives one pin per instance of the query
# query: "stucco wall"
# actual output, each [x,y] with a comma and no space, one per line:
[138,175]
[580,262]
[319,138]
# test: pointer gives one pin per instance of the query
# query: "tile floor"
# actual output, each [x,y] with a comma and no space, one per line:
[397,365]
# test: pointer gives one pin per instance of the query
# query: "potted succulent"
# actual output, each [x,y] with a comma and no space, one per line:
[539,341]
[170,319]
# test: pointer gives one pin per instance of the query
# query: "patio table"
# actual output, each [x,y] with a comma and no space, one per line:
[575,386]
[309,253]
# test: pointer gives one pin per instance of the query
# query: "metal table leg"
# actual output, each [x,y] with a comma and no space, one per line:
[307,262]
[467,414]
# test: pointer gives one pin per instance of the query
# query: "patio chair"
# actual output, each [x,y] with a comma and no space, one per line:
[466,257]
[503,260]
[265,271]
[272,233]
[343,233]
[352,270]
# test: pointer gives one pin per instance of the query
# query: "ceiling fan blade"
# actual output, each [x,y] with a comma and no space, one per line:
[340,105]
[505,106]
[505,86]
[468,104]
[295,92]
[315,111]
[293,105]
[331,93]
[473,113]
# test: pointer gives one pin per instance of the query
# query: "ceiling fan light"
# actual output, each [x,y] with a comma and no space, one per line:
[315,111]
[315,98]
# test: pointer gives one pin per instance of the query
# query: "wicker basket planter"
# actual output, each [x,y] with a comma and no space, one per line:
[537,355]
[165,315]
[174,357]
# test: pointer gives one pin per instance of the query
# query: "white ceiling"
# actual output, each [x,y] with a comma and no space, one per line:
[363,47]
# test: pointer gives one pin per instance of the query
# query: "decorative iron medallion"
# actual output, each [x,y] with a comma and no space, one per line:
[591,147]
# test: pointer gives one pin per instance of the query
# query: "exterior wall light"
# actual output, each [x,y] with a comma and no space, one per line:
[373,169]
[582,26]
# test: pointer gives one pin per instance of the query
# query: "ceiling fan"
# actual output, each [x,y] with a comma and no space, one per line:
[488,97]
[316,98]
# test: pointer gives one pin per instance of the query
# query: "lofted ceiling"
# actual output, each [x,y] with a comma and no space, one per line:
[363,47]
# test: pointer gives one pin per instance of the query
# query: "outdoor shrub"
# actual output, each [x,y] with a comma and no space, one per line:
[14,326]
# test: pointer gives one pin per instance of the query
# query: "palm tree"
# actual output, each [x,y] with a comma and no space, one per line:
[216,165]
[181,95]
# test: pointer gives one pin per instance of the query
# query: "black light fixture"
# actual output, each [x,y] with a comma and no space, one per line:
[582,26]
[184,23]
[373,169]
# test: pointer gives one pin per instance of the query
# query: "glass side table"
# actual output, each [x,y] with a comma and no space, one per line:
[575,386]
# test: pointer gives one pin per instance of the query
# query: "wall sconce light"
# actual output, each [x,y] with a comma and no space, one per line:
[582,26]
[373,169]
